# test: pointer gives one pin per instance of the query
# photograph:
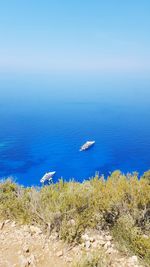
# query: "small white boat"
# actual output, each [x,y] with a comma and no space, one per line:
[87,145]
[47,177]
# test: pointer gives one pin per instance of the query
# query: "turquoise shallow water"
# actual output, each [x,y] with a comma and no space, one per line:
[43,123]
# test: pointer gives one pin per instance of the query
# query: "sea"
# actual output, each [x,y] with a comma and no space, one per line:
[44,120]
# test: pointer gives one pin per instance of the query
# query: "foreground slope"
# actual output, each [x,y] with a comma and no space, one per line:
[97,223]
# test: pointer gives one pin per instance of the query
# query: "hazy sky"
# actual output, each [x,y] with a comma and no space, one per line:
[75,35]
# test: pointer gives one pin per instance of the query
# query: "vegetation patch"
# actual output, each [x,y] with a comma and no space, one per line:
[96,258]
[120,203]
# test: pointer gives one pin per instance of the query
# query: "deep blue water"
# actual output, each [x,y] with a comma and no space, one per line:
[43,123]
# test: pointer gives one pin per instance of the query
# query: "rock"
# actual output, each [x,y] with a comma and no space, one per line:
[23,261]
[76,249]
[120,260]
[82,245]
[94,245]
[92,239]
[7,221]
[72,222]
[68,259]
[2,225]
[19,252]
[108,238]
[101,237]
[26,249]
[59,253]
[133,259]
[111,251]
[13,224]
[35,230]
[54,236]
[101,242]
[107,245]
[26,228]
[87,244]
[85,237]
[2,237]
[32,261]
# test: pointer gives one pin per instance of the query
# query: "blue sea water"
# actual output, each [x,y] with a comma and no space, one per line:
[44,121]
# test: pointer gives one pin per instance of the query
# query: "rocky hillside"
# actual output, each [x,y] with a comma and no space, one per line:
[26,245]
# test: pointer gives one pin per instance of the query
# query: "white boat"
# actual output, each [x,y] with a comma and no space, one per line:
[87,145]
[47,177]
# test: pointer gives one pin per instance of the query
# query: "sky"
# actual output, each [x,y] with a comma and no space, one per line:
[75,36]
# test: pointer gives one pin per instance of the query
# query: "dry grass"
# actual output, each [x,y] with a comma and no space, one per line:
[96,258]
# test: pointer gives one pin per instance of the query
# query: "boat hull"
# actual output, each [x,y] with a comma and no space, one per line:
[87,145]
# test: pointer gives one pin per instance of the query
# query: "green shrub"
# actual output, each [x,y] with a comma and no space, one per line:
[97,258]
[146,175]
[130,237]
[14,202]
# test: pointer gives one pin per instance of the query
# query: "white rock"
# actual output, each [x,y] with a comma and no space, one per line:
[107,245]
[85,237]
[2,237]
[94,245]
[31,260]
[108,238]
[23,261]
[26,228]
[133,259]
[35,230]
[72,222]
[7,221]
[111,251]
[59,253]
[13,224]
[87,244]
[101,237]
[54,236]
[68,259]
